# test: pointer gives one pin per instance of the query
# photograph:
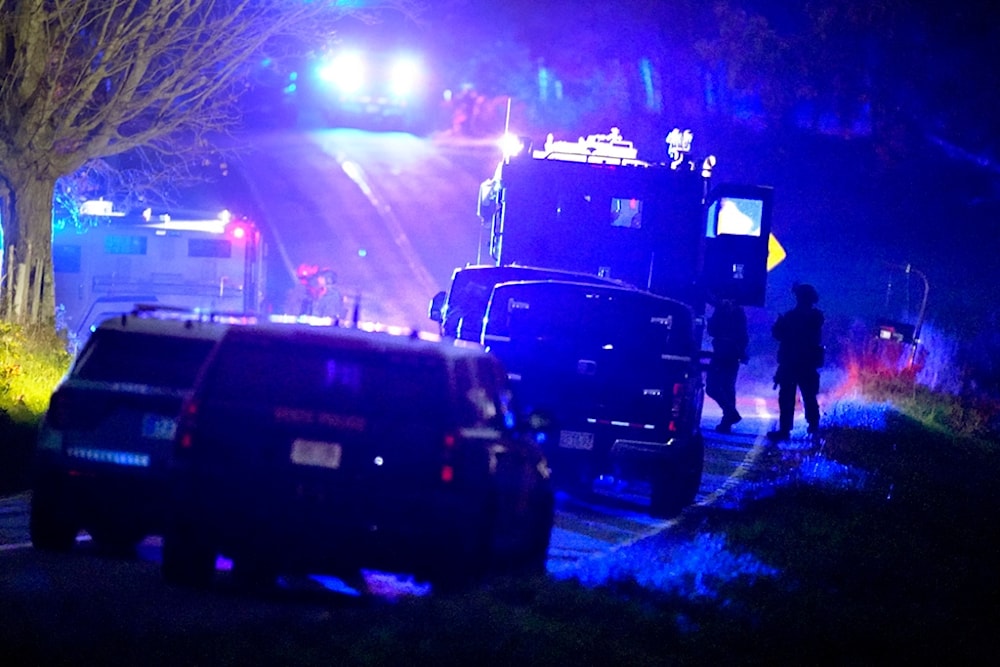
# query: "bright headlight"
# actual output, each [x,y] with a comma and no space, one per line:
[405,76]
[346,72]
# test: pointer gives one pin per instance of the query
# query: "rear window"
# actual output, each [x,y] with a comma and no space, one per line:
[591,318]
[140,358]
[361,382]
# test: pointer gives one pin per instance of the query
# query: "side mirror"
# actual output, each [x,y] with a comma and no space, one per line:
[436,307]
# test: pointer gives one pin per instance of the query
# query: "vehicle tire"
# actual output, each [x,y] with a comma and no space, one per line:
[676,483]
[117,541]
[253,573]
[468,562]
[188,558]
[533,557]
[53,525]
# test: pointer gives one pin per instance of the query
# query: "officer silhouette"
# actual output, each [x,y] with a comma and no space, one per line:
[800,355]
[728,328]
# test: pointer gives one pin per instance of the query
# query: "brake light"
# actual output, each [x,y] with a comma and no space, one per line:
[238,230]
[185,425]
[677,408]
[447,467]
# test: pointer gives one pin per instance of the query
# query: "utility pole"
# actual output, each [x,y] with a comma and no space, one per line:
[920,315]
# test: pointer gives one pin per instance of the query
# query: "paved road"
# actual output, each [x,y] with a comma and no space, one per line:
[392,214]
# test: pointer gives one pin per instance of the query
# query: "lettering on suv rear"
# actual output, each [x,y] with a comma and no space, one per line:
[287,415]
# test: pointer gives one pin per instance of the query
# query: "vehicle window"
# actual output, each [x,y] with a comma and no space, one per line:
[315,377]
[120,244]
[592,319]
[127,357]
[467,302]
[209,248]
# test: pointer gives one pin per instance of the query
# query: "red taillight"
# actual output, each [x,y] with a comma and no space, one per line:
[447,469]
[185,424]
[237,231]
[677,408]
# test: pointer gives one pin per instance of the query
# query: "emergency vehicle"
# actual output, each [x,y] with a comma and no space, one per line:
[110,264]
[609,351]
[371,86]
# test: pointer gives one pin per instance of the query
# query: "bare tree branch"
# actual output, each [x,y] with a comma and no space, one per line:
[83,80]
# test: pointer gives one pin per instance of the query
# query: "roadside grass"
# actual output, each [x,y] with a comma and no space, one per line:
[899,564]
[32,361]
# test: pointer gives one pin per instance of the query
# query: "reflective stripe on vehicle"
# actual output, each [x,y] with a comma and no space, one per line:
[115,457]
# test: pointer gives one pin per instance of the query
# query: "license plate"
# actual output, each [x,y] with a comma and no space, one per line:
[158,427]
[576,439]
[313,453]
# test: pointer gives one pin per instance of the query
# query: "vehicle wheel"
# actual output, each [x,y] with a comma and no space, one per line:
[253,573]
[118,541]
[188,558]
[676,484]
[533,557]
[468,562]
[52,525]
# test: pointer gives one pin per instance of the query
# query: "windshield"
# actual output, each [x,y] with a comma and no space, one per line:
[141,358]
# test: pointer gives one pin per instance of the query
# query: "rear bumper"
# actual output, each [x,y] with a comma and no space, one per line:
[623,455]
[105,495]
[314,530]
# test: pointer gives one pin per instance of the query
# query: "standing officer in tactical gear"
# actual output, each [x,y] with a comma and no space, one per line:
[800,355]
[728,328]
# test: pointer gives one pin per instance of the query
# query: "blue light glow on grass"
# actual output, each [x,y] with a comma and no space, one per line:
[857,415]
[696,569]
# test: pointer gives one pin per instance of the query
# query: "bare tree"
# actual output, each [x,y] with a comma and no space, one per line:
[87,79]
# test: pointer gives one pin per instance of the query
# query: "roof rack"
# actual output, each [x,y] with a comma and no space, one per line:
[161,311]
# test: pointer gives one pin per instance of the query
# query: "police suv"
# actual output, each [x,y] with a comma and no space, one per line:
[325,450]
[106,439]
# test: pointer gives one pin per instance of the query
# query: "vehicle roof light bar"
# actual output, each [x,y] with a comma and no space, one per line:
[608,148]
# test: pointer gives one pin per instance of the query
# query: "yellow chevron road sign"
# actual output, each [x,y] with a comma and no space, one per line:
[775,253]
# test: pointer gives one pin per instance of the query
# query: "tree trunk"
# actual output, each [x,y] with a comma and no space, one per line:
[27,294]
